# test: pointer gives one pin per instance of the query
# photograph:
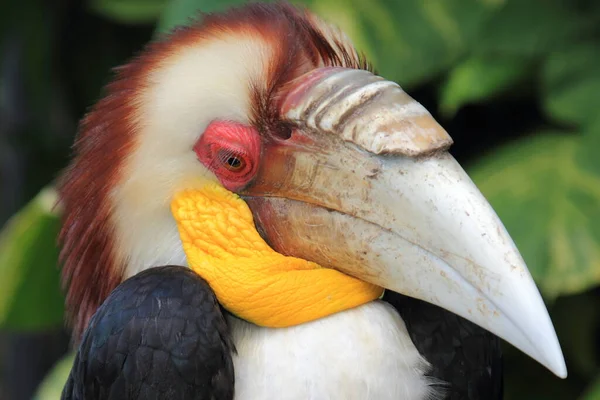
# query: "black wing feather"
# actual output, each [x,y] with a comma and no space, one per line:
[467,358]
[159,335]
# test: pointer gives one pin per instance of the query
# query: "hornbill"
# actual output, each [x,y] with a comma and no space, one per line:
[239,200]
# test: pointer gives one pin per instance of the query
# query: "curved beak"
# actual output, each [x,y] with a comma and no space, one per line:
[365,185]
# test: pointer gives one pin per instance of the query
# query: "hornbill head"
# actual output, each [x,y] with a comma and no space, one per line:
[338,166]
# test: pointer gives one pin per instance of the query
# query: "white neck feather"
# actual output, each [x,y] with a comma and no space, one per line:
[364,353]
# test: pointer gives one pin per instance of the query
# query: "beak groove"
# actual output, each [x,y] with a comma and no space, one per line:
[364,109]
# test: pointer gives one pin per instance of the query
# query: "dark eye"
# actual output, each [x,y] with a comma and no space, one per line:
[234,163]
[284,131]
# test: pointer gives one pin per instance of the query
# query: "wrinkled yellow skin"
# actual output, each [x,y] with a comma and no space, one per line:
[249,278]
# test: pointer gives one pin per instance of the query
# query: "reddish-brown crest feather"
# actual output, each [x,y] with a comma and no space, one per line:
[108,134]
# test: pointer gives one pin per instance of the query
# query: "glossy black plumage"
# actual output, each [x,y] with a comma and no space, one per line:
[463,355]
[159,335]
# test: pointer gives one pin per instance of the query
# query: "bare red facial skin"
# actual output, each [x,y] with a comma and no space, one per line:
[231,151]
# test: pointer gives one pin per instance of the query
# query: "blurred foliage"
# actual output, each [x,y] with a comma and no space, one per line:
[593,393]
[537,184]
[515,82]
[31,294]
[130,11]
[52,386]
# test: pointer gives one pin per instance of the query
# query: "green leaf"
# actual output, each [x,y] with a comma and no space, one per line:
[588,155]
[183,12]
[30,294]
[129,11]
[571,83]
[593,392]
[407,41]
[479,78]
[531,28]
[52,385]
[549,204]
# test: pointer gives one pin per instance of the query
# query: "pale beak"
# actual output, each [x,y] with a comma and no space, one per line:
[365,185]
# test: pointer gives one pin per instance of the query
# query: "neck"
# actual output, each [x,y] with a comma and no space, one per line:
[362,353]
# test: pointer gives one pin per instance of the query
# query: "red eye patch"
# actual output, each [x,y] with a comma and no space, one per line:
[231,150]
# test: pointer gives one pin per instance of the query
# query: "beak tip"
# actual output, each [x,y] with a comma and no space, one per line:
[532,328]
[555,363]
[561,369]
[555,360]
[541,341]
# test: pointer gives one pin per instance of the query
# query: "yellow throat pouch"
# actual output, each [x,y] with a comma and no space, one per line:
[250,279]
